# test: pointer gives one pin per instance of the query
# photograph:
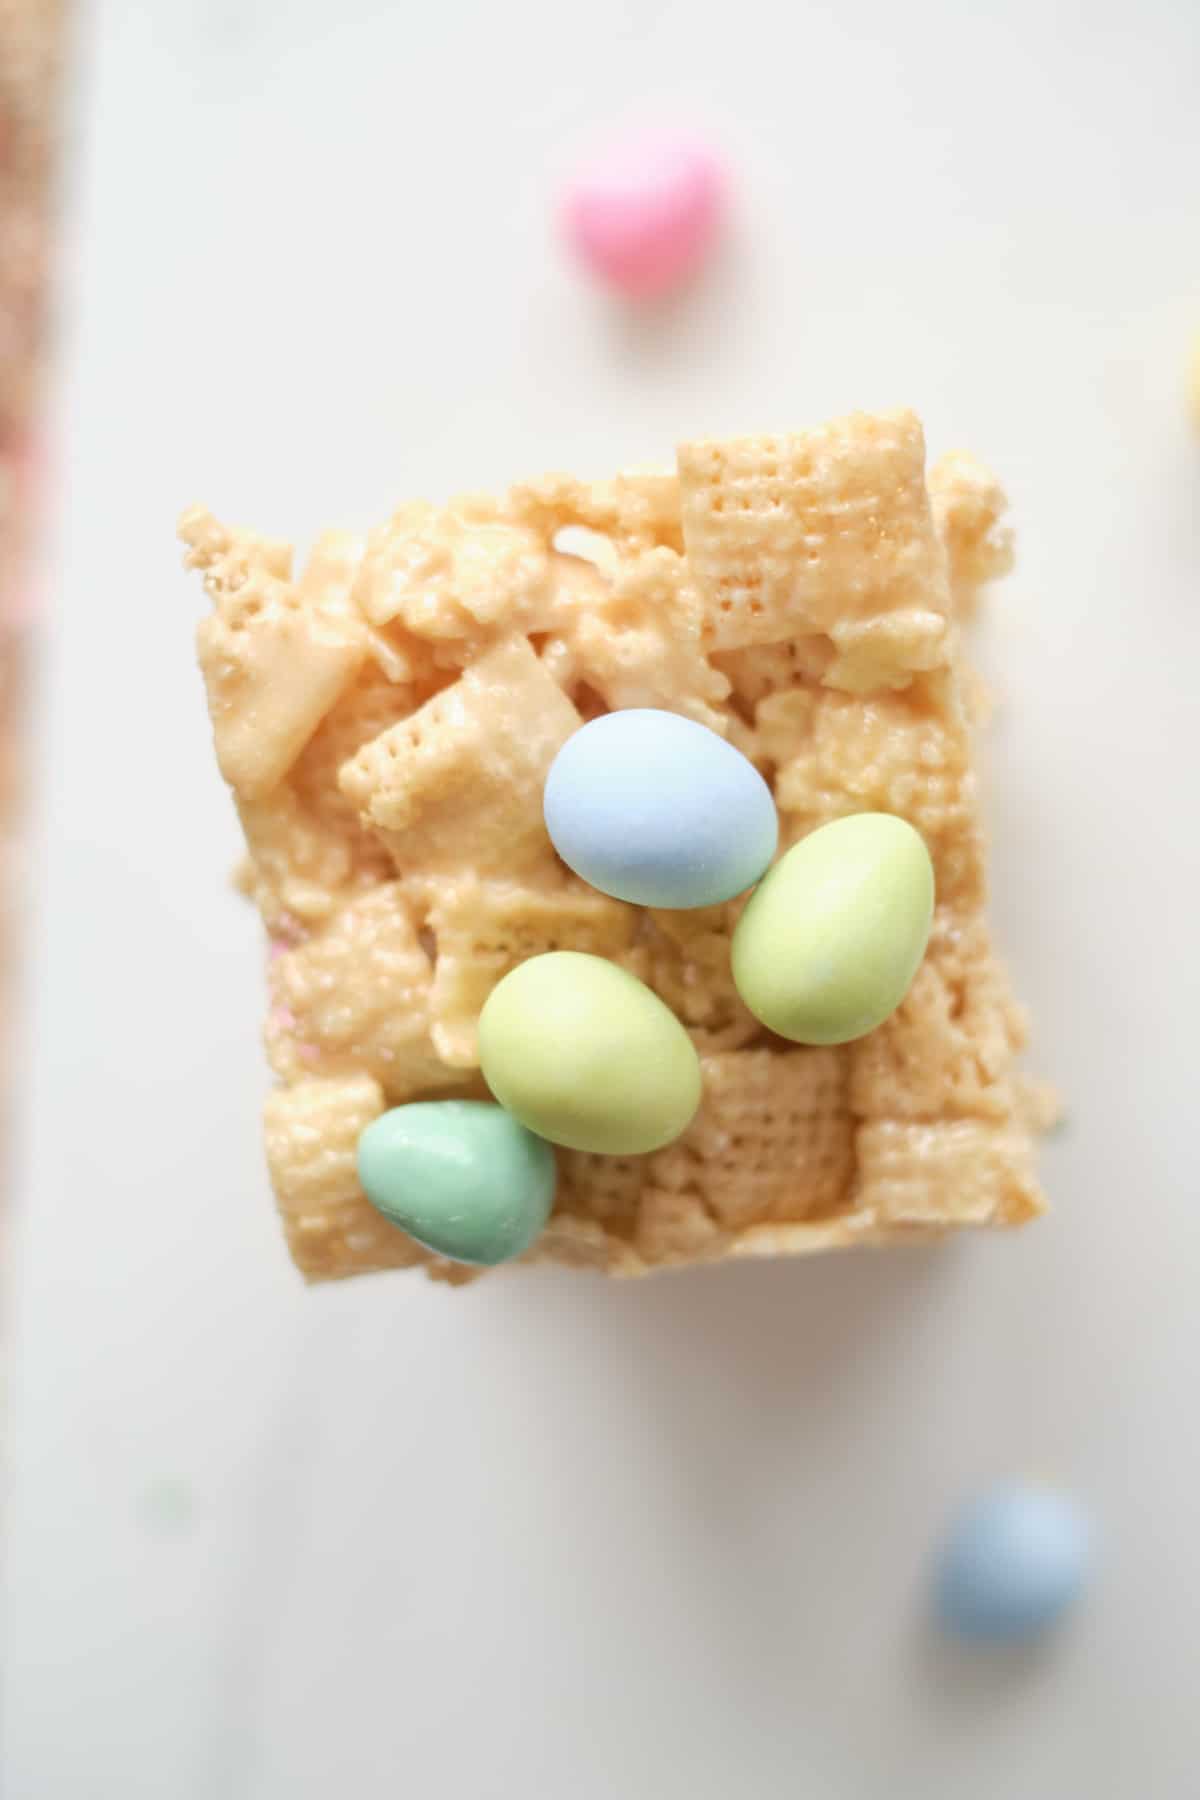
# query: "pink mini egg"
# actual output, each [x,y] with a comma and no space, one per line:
[643,215]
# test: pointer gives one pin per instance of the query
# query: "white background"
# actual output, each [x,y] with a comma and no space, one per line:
[553,1537]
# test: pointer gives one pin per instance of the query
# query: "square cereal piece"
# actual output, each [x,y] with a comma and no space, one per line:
[308,851]
[906,753]
[372,702]
[774,1138]
[945,1173]
[948,1050]
[458,785]
[828,532]
[275,654]
[387,721]
[482,929]
[607,1189]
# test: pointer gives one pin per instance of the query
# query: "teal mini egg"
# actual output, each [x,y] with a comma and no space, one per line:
[660,811]
[831,938]
[462,1177]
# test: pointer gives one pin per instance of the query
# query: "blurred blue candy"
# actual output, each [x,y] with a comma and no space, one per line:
[1013,1562]
[655,809]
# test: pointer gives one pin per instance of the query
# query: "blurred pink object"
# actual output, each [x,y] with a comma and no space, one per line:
[20,494]
[644,214]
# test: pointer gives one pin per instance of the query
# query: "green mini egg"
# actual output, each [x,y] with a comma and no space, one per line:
[832,936]
[460,1176]
[585,1055]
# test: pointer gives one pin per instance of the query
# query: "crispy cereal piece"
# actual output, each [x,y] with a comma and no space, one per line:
[275,655]
[458,785]
[637,641]
[906,753]
[948,1051]
[675,1226]
[454,581]
[370,705]
[684,957]
[482,929]
[579,1242]
[357,996]
[607,1189]
[299,866]
[945,1173]
[308,849]
[826,533]
[312,1131]
[636,512]
[773,1138]
[763,669]
[969,511]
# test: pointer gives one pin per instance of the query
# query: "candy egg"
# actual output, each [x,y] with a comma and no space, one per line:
[830,940]
[1013,1562]
[585,1055]
[656,809]
[460,1176]
[642,216]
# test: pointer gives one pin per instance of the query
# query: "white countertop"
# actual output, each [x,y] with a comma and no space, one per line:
[549,1536]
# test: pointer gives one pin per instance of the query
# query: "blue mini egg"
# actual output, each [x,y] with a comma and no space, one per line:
[655,809]
[1013,1562]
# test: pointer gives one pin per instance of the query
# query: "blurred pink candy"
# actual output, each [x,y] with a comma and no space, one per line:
[645,213]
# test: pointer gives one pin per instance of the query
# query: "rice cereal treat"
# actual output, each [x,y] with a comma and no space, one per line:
[387,718]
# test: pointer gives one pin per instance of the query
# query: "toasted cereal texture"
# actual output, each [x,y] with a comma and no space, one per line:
[276,654]
[773,1138]
[458,784]
[299,868]
[947,1051]
[969,510]
[637,511]
[312,1131]
[942,1173]
[827,533]
[482,929]
[387,720]
[638,641]
[372,702]
[356,996]
[685,958]
[312,1128]
[451,579]
[907,753]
